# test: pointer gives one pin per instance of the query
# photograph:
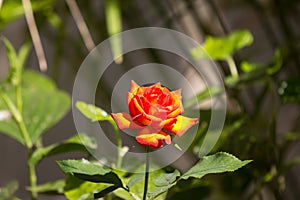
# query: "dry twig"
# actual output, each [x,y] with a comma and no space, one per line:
[82,27]
[37,43]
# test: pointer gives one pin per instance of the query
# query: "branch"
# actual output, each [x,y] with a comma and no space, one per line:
[81,25]
[34,35]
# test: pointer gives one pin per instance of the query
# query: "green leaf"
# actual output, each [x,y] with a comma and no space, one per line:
[276,63]
[135,179]
[166,179]
[53,18]
[158,191]
[91,172]
[11,54]
[248,67]
[163,183]
[82,166]
[221,48]
[43,106]
[76,189]
[85,170]
[55,187]
[136,183]
[92,112]
[217,163]
[289,90]
[16,61]
[13,9]
[80,142]
[123,194]
[7,192]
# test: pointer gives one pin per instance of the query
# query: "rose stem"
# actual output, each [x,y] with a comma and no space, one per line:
[146,173]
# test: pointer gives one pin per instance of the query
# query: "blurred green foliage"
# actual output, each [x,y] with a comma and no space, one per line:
[250,130]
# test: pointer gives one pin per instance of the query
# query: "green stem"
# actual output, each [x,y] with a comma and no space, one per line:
[119,142]
[19,119]
[19,98]
[146,174]
[32,179]
[16,112]
[232,67]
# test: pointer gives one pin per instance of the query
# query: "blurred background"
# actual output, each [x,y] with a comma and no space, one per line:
[260,124]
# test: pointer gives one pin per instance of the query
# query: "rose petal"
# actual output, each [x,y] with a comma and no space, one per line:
[133,87]
[142,119]
[177,93]
[138,107]
[167,122]
[129,97]
[125,121]
[157,85]
[158,113]
[148,137]
[182,125]
[176,112]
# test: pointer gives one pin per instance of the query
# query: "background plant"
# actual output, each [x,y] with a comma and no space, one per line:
[253,102]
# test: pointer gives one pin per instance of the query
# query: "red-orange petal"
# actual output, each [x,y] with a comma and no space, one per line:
[124,121]
[167,122]
[177,93]
[129,97]
[182,125]
[142,119]
[133,87]
[176,112]
[148,137]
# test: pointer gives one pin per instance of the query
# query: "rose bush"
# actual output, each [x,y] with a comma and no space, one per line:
[155,112]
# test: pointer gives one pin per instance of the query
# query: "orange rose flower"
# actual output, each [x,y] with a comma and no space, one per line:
[155,111]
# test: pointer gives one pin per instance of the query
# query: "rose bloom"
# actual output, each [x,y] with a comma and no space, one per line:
[155,112]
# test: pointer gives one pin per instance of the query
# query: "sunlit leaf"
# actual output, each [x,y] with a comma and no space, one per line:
[43,106]
[16,61]
[276,63]
[163,183]
[53,19]
[158,191]
[82,166]
[248,67]
[13,9]
[11,55]
[221,48]
[7,192]
[158,177]
[85,170]
[91,172]
[92,112]
[166,179]
[80,142]
[76,189]
[217,163]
